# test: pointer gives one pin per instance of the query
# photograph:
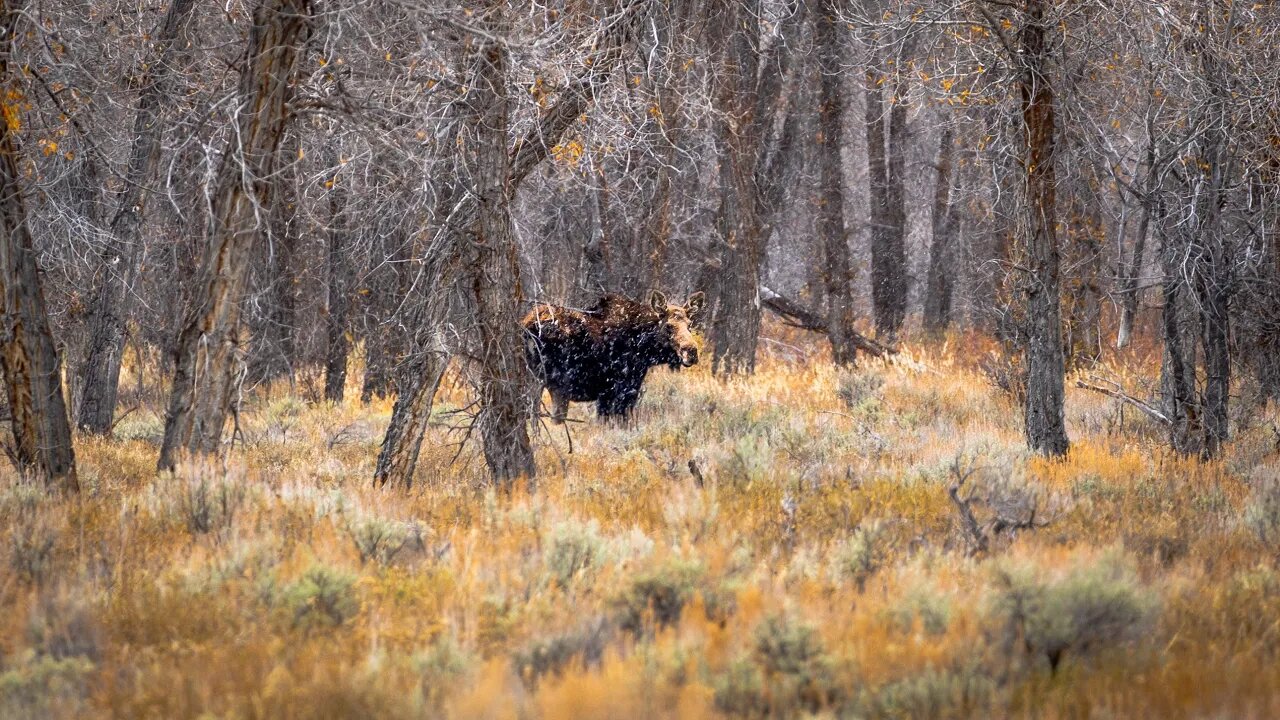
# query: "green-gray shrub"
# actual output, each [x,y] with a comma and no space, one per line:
[552,655]
[1262,515]
[863,552]
[662,591]
[573,548]
[322,597]
[1090,608]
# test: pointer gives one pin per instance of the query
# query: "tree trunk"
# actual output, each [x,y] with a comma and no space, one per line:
[339,305]
[838,275]
[1130,271]
[506,405]
[28,357]
[888,216]
[398,457]
[412,411]
[386,289]
[1045,364]
[275,340]
[1177,369]
[941,273]
[99,373]
[753,91]
[207,354]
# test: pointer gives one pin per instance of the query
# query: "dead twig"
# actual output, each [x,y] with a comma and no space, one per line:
[1118,394]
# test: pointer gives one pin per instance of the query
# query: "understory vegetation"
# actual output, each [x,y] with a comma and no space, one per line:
[804,542]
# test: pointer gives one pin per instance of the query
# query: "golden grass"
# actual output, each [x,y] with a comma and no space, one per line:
[818,569]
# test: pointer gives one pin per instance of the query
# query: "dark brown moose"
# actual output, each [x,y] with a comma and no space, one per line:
[602,354]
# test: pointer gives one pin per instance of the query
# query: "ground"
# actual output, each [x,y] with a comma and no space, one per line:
[781,545]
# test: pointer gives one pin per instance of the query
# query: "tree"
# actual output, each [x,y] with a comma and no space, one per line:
[940,280]
[28,357]
[99,371]
[837,269]
[207,354]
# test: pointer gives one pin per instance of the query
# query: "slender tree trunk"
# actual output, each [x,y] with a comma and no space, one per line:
[837,269]
[506,405]
[385,293]
[888,216]
[1045,363]
[339,305]
[941,273]
[275,341]
[207,354]
[28,357]
[99,373]
[1130,271]
[1177,369]
[398,457]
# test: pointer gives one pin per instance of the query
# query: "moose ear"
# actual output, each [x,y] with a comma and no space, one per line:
[658,301]
[693,308]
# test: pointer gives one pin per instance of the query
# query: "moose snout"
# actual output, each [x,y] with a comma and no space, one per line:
[689,356]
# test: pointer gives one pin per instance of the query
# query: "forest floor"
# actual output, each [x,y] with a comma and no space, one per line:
[782,545]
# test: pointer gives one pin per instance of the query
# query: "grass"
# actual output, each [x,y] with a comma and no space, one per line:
[815,567]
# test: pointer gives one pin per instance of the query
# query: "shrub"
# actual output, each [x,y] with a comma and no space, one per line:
[1091,607]
[207,505]
[380,539]
[932,608]
[573,548]
[856,387]
[322,597]
[44,686]
[1262,515]
[788,670]
[935,693]
[554,654]
[31,545]
[863,552]
[739,691]
[660,593]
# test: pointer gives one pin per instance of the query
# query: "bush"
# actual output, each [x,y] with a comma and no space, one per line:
[863,552]
[207,505]
[31,545]
[788,670]
[44,686]
[380,539]
[856,387]
[936,693]
[322,597]
[1262,515]
[554,654]
[573,548]
[1092,607]
[660,594]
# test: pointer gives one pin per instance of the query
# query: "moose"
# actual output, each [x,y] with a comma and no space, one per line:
[602,354]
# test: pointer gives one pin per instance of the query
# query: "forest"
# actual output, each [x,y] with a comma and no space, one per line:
[640,359]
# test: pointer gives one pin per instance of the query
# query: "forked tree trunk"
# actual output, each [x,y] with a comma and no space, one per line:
[940,280]
[99,373]
[207,355]
[1130,294]
[837,270]
[505,382]
[28,356]
[1042,337]
[409,419]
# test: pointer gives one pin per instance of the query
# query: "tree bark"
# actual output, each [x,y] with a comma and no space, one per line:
[28,357]
[339,297]
[885,164]
[753,90]
[837,271]
[1045,363]
[99,373]
[940,279]
[505,383]
[207,354]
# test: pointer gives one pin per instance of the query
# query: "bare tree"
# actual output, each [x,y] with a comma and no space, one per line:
[207,355]
[837,268]
[28,357]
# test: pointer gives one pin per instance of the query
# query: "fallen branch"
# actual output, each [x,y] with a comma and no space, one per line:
[797,315]
[1117,394]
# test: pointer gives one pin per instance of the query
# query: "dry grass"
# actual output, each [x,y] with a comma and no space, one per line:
[817,568]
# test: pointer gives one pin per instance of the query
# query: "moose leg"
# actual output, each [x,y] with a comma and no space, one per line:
[618,406]
[559,408]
